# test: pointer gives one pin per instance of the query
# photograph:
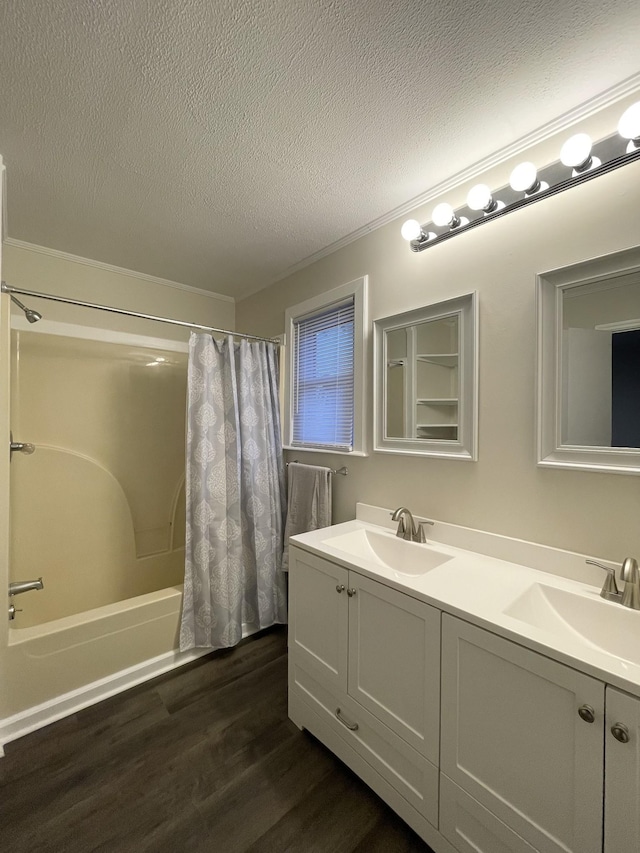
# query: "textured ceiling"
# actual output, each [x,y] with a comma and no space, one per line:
[221,143]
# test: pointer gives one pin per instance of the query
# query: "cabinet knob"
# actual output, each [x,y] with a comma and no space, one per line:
[340,587]
[586,713]
[351,592]
[620,732]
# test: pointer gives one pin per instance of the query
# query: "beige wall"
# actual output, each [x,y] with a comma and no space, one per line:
[504,492]
[61,275]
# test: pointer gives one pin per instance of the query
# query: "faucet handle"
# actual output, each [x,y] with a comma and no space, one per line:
[610,587]
[629,570]
[631,577]
[402,528]
[420,534]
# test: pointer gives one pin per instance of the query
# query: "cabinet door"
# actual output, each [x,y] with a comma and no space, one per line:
[318,610]
[512,738]
[394,661]
[622,775]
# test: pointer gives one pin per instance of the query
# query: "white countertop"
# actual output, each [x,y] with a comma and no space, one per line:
[482,589]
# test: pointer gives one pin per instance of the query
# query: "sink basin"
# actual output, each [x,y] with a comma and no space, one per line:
[606,625]
[406,558]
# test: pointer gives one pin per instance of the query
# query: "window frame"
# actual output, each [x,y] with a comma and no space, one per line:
[317,304]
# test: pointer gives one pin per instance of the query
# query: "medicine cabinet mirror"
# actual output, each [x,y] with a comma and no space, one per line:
[589,365]
[425,388]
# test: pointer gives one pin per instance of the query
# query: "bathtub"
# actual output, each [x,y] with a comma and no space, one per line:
[59,667]
[62,666]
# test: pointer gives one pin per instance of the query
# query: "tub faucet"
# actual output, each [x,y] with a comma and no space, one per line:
[17,587]
[407,528]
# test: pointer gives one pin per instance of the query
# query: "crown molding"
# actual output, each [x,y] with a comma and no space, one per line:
[88,262]
[585,110]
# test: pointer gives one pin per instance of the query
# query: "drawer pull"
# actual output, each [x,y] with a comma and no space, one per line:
[340,587]
[586,713]
[351,592]
[353,727]
[620,732]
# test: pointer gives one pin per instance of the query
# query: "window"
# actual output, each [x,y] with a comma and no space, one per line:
[324,383]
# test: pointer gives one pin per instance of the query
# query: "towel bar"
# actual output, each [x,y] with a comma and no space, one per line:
[344,470]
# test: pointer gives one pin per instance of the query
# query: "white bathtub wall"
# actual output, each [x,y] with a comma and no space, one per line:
[94,508]
[504,492]
[33,668]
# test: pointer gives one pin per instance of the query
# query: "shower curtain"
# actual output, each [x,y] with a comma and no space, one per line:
[235,492]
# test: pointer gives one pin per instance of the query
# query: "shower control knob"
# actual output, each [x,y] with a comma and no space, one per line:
[13,610]
[20,446]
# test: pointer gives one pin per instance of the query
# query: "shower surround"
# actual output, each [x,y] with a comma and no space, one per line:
[98,511]
[98,508]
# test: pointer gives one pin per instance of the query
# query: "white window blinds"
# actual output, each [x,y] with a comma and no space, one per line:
[323,378]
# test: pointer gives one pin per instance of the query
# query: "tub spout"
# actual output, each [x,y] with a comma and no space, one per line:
[17,587]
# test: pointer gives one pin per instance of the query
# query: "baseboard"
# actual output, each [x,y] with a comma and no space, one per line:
[48,712]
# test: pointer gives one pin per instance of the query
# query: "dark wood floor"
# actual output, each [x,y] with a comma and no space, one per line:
[202,759]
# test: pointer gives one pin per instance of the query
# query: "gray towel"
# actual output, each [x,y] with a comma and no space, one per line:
[309,504]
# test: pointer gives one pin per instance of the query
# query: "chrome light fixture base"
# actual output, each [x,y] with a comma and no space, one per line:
[607,155]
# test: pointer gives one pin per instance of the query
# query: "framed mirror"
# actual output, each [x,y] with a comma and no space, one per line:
[425,380]
[588,318]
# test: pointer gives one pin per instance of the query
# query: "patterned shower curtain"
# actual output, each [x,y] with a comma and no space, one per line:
[235,490]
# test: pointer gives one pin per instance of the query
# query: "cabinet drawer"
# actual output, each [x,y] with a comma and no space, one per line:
[471,828]
[415,778]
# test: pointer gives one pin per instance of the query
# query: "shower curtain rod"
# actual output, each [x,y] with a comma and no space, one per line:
[6,288]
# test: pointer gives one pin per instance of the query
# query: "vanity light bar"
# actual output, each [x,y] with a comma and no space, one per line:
[581,161]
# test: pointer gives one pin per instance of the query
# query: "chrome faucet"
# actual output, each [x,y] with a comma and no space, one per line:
[411,533]
[17,587]
[629,573]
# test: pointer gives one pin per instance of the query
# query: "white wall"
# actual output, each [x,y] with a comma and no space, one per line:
[504,492]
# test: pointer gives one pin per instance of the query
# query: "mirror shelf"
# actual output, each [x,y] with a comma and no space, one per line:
[425,384]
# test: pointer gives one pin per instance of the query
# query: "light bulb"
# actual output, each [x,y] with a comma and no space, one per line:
[411,230]
[480,198]
[629,126]
[443,214]
[576,152]
[524,178]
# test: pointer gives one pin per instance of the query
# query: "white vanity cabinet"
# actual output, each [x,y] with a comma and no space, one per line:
[526,751]
[481,744]
[364,677]
[622,773]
